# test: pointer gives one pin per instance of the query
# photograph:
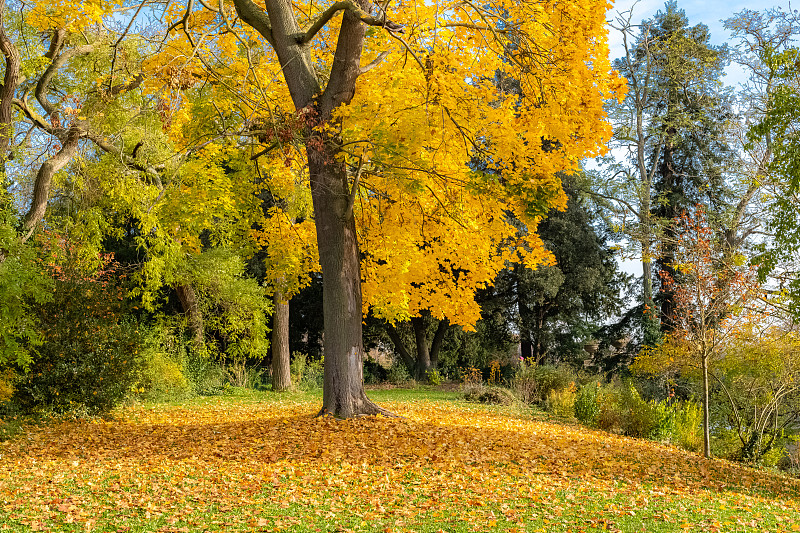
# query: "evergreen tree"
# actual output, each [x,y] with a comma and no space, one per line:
[689,120]
[557,307]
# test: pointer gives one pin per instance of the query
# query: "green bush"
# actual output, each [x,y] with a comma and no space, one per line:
[307,375]
[161,378]
[89,356]
[206,377]
[687,426]
[533,383]
[434,377]
[398,374]
[374,372]
[587,405]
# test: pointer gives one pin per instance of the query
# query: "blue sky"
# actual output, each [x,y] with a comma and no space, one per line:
[709,12]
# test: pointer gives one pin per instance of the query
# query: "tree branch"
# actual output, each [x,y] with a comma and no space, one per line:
[44,82]
[345,5]
[44,178]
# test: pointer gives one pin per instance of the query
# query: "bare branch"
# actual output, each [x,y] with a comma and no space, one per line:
[344,5]
[374,63]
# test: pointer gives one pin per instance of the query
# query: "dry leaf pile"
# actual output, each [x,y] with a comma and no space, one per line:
[232,465]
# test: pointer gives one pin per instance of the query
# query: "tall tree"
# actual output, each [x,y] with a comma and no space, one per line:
[671,127]
[768,52]
[389,142]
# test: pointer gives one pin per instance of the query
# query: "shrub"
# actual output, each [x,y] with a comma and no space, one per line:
[374,372]
[687,426]
[524,383]
[241,375]
[206,377]
[161,378]
[470,376]
[561,402]
[434,377]
[7,378]
[533,383]
[398,374]
[89,356]
[490,395]
[307,375]
[587,404]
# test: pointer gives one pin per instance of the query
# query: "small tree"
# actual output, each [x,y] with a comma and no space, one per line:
[711,287]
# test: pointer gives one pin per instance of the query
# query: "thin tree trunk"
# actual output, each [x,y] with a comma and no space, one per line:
[438,339]
[706,418]
[281,374]
[408,360]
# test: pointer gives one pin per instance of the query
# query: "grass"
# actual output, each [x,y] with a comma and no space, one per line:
[255,461]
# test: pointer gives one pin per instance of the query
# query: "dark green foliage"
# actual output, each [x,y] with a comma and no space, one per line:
[89,355]
[374,372]
[556,308]
[689,117]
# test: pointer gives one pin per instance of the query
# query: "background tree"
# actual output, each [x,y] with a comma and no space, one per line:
[557,307]
[671,127]
[711,293]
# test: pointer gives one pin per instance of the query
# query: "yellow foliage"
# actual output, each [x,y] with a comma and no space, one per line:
[67,14]
[454,136]
[6,385]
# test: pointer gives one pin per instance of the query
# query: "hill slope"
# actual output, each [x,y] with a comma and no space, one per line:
[263,463]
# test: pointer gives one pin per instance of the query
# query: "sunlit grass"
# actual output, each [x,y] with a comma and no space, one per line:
[262,462]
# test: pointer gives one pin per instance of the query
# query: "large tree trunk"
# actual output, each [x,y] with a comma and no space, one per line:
[281,374]
[343,391]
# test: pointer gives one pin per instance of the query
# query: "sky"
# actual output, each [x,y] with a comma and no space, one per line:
[709,12]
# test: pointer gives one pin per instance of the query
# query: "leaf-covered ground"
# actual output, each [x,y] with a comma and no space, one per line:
[264,463]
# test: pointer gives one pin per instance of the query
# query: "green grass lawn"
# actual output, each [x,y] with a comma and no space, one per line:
[262,462]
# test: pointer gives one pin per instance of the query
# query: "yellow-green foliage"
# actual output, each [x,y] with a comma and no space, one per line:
[162,377]
[6,385]
[686,431]
[561,401]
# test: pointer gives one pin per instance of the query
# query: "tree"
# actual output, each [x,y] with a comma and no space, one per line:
[711,292]
[556,307]
[768,53]
[389,142]
[671,128]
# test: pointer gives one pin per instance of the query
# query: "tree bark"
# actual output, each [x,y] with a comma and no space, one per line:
[706,418]
[191,307]
[438,339]
[281,375]
[408,360]
[421,339]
